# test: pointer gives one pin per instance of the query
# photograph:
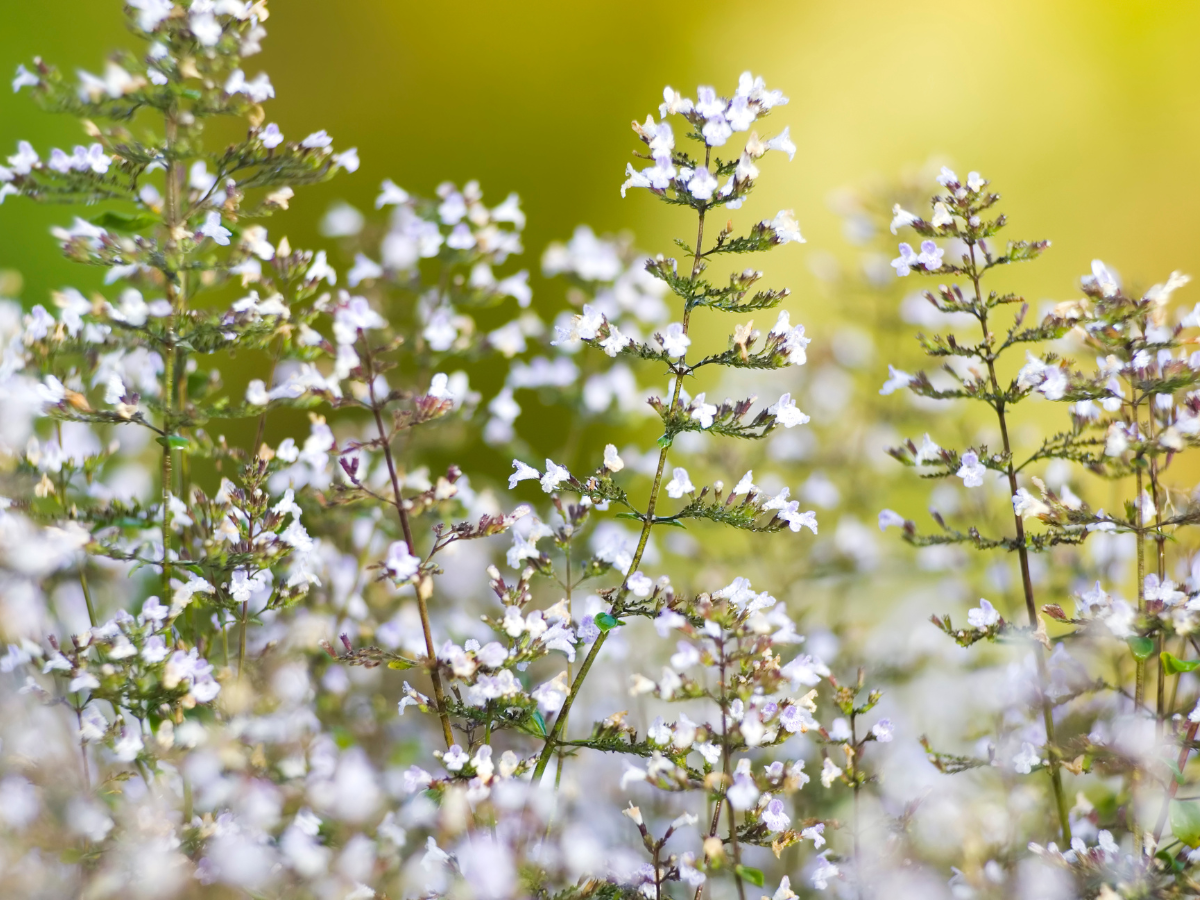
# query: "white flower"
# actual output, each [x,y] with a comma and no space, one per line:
[829,773]
[975,182]
[1026,505]
[786,413]
[984,617]
[824,873]
[896,380]
[1104,279]
[906,261]
[318,140]
[522,472]
[555,475]
[455,758]
[212,228]
[640,584]
[971,471]
[25,78]
[902,218]
[702,184]
[551,695]
[816,834]
[400,563]
[888,518]
[1024,761]
[612,461]
[882,731]
[679,484]
[783,143]
[271,137]
[703,412]
[941,215]
[674,340]
[743,794]
[786,228]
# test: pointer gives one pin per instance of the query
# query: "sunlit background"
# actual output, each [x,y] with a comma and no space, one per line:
[1084,114]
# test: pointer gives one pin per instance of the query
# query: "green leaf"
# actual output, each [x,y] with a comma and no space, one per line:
[628,515]
[1174,666]
[1174,767]
[754,876]
[399,664]
[112,220]
[1140,647]
[664,441]
[1185,821]
[174,441]
[540,721]
[606,621]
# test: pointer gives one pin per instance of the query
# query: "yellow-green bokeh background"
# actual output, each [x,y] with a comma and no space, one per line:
[1084,114]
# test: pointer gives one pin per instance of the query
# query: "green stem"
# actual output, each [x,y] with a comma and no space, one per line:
[1060,797]
[647,524]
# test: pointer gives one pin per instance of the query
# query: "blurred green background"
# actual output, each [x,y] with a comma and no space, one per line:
[1084,114]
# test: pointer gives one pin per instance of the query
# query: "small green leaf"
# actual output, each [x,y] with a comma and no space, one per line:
[399,664]
[174,441]
[1140,647]
[1174,767]
[606,621]
[112,220]
[1185,821]
[540,721]
[1174,666]
[754,876]
[664,441]
[628,515]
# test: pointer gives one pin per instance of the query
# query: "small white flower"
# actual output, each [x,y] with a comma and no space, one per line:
[212,228]
[896,381]
[555,475]
[679,484]
[971,471]
[829,773]
[400,563]
[1024,761]
[612,461]
[673,339]
[786,412]
[984,617]
[522,472]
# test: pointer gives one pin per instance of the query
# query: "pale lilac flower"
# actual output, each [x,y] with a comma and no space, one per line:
[1026,505]
[906,261]
[931,256]
[212,228]
[318,140]
[640,584]
[888,518]
[702,184]
[673,340]
[271,137]
[774,816]
[816,834]
[882,731]
[824,873]
[971,471]
[25,78]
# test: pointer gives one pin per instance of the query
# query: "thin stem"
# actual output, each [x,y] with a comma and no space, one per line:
[1060,799]
[647,524]
[425,585]
[87,596]
[170,223]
